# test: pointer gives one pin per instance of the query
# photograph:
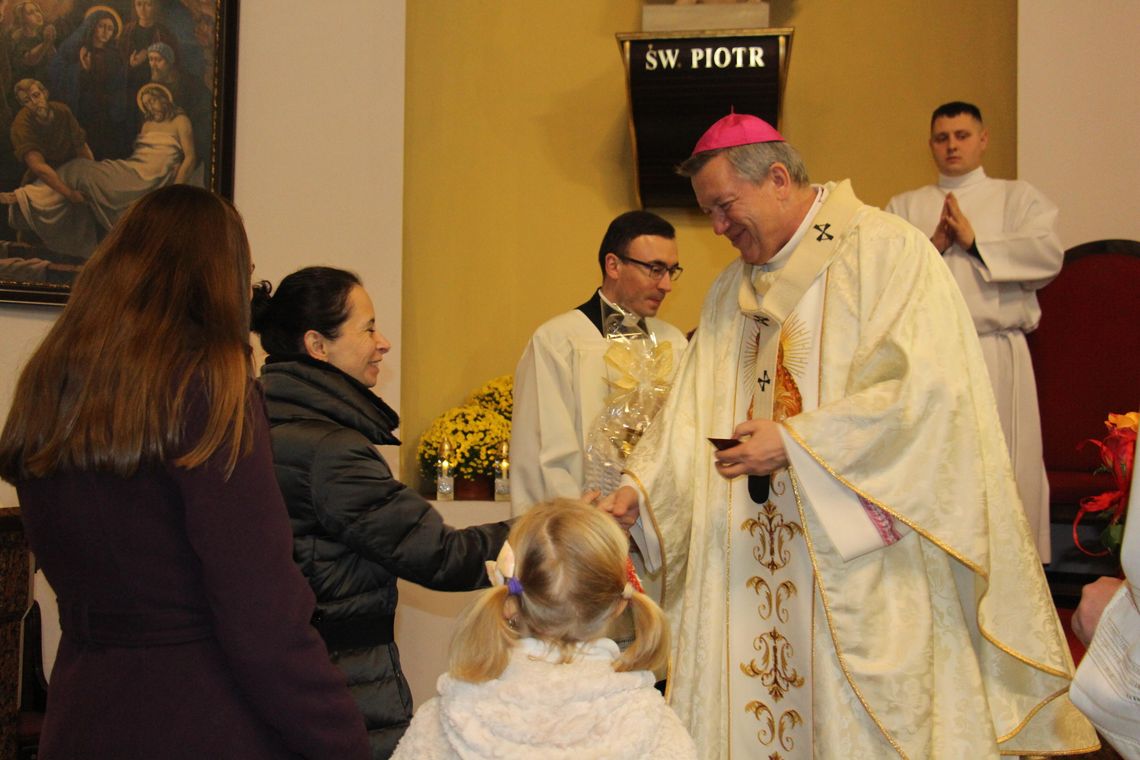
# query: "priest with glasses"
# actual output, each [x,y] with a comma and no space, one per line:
[563,380]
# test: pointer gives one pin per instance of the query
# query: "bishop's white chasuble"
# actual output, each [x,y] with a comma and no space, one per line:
[884,600]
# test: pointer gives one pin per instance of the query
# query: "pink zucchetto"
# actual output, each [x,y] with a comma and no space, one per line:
[737,129]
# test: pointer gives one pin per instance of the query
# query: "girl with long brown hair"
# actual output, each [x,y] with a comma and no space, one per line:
[139,447]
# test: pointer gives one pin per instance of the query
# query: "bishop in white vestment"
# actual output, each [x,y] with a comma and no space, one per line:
[881,596]
[1010,252]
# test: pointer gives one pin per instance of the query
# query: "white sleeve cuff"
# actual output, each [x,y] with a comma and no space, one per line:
[843,515]
[647,542]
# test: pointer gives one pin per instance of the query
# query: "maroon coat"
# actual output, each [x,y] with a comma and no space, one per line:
[185,621]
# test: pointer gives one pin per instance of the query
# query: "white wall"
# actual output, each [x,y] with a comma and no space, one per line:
[320,147]
[1078,111]
[320,159]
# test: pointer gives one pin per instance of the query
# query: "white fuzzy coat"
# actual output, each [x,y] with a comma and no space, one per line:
[539,708]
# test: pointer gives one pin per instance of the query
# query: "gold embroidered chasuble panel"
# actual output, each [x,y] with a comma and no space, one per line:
[771,593]
[771,597]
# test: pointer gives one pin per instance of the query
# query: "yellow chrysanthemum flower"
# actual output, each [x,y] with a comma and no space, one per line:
[497,395]
[476,436]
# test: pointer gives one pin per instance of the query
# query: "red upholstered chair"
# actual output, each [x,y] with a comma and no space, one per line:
[1086,356]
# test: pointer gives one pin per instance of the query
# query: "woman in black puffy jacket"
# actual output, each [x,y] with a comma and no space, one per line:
[356,529]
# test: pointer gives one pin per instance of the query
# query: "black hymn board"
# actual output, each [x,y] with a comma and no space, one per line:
[679,83]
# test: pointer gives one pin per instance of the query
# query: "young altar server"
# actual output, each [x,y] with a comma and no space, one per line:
[530,674]
[999,239]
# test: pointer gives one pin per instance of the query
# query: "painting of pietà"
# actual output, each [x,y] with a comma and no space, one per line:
[101,102]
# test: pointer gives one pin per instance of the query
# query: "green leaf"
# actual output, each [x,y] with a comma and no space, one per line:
[1112,537]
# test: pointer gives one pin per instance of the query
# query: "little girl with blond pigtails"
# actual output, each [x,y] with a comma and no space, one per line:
[531,674]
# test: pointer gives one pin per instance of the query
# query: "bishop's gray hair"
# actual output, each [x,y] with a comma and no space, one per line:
[753,161]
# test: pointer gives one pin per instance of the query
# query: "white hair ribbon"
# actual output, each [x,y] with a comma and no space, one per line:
[502,568]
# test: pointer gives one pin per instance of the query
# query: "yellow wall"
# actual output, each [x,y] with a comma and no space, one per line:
[518,154]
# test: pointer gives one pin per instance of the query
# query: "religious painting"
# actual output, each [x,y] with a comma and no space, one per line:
[102,101]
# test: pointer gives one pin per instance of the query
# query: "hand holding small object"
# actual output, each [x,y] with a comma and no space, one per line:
[760,454]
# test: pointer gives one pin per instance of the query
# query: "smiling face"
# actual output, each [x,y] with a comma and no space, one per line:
[359,347]
[957,144]
[630,285]
[749,215]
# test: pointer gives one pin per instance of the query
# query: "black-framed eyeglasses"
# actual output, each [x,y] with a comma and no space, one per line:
[656,270]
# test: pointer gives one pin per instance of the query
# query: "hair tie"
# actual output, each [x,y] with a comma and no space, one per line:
[514,586]
[627,592]
[631,576]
